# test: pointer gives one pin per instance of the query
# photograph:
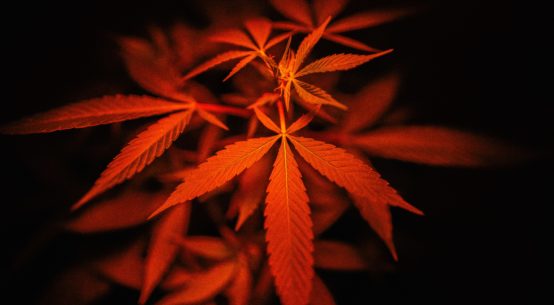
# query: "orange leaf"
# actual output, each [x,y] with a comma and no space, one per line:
[218,59]
[378,216]
[241,64]
[289,230]
[205,286]
[349,42]
[212,119]
[320,294]
[266,121]
[326,8]
[297,10]
[308,43]
[127,210]
[338,62]
[93,112]
[435,146]
[218,169]
[240,288]
[326,200]
[315,95]
[207,142]
[154,70]
[260,28]
[368,19]
[345,170]
[140,152]
[371,103]
[162,248]
[207,247]
[235,37]
[251,190]
[303,121]
[123,267]
[335,255]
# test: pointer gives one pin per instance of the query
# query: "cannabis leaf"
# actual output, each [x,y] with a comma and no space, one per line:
[287,222]
[155,74]
[289,70]
[301,15]
[259,29]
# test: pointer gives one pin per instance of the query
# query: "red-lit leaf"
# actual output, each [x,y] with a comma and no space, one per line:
[314,95]
[368,19]
[212,119]
[153,68]
[241,64]
[127,210]
[297,10]
[320,294]
[335,255]
[266,121]
[349,42]
[308,44]
[235,37]
[251,190]
[217,170]
[369,105]
[289,230]
[123,267]
[93,112]
[207,247]
[435,146]
[378,216]
[338,62]
[260,28]
[219,59]
[302,121]
[240,288]
[205,286]
[140,152]
[345,170]
[326,8]
[162,248]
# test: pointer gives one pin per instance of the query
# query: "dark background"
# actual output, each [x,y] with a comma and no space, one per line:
[482,66]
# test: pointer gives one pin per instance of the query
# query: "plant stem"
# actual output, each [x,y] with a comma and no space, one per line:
[240,112]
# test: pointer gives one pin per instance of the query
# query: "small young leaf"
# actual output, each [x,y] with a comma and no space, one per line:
[308,43]
[314,95]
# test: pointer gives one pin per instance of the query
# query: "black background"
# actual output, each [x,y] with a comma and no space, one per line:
[482,66]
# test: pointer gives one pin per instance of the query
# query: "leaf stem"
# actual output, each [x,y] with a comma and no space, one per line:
[240,112]
[281,116]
